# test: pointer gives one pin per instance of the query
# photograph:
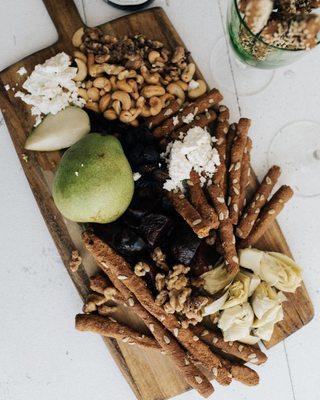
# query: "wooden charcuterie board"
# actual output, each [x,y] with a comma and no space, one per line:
[151,375]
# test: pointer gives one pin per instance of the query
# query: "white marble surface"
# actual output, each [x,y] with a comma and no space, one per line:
[41,355]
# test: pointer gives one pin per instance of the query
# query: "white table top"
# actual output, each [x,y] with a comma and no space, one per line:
[42,356]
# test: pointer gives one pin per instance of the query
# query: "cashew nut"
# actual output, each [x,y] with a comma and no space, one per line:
[82,70]
[155,105]
[77,37]
[127,74]
[175,89]
[116,105]
[83,93]
[101,58]
[153,90]
[139,79]
[88,84]
[135,92]
[149,78]
[79,54]
[166,99]
[100,82]
[124,86]
[110,114]
[102,92]
[199,91]
[104,102]
[113,82]
[152,56]
[141,101]
[92,105]
[145,112]
[129,115]
[178,54]
[96,69]
[112,69]
[93,94]
[188,72]
[183,85]
[124,99]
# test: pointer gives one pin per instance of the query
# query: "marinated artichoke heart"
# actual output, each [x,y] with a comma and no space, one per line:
[267,307]
[216,279]
[274,268]
[236,322]
[238,291]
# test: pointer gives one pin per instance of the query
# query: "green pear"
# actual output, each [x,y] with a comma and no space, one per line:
[94,181]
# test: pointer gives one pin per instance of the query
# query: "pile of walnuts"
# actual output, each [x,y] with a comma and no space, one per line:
[131,77]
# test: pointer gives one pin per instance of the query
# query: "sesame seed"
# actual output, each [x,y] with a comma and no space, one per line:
[237,166]
[76,173]
[195,338]
[268,180]
[215,371]
[251,356]
[231,167]
[196,222]
[151,327]
[198,379]
[221,216]
[166,339]
[235,259]
[176,332]
[131,302]
[205,332]
[240,348]
[230,344]
[220,200]
[186,361]
[235,208]
[215,340]
[125,339]
[271,212]
[122,277]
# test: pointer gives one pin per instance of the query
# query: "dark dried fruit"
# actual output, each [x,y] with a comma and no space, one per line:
[155,228]
[205,257]
[184,244]
[127,242]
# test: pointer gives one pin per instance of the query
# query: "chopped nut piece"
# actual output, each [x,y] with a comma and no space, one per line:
[75,261]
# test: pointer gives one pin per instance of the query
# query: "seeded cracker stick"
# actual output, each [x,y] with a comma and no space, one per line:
[197,107]
[106,259]
[260,198]
[199,201]
[106,327]
[189,214]
[245,352]
[237,151]
[245,175]
[167,112]
[202,120]
[268,215]
[241,373]
[229,141]
[227,238]
[221,132]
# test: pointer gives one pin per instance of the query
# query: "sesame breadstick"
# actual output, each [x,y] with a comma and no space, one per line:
[199,201]
[106,327]
[260,198]
[227,238]
[192,217]
[245,175]
[237,151]
[229,141]
[241,373]
[268,214]
[106,259]
[199,106]
[167,112]
[201,120]
[242,351]
[221,132]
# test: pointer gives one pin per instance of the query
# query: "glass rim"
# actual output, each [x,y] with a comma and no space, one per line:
[243,22]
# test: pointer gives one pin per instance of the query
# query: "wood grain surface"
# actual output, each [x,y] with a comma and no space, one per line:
[151,375]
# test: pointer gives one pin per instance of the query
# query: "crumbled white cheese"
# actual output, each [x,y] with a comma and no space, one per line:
[194,151]
[136,176]
[22,71]
[7,87]
[193,85]
[76,173]
[188,119]
[175,120]
[50,88]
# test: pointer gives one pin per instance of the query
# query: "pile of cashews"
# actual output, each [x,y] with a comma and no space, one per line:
[127,94]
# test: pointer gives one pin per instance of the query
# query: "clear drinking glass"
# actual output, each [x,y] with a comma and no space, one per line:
[252,62]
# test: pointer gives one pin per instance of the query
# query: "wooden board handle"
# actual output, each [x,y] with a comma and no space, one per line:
[65,16]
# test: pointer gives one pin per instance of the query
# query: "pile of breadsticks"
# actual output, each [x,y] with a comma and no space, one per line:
[219,211]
